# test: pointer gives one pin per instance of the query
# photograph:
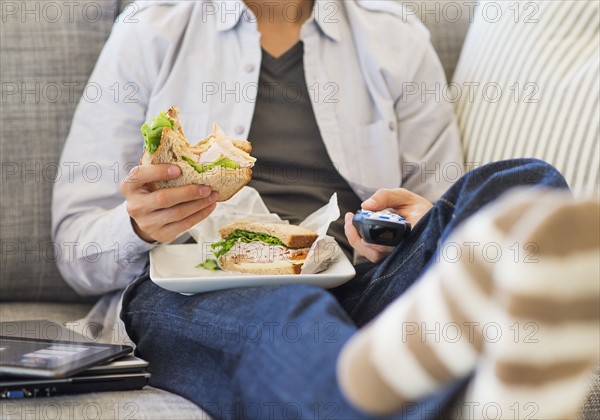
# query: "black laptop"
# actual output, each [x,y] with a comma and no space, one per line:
[34,367]
[120,375]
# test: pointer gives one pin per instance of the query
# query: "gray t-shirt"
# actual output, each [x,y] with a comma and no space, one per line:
[294,174]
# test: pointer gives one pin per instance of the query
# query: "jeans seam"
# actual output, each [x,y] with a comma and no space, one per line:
[448,203]
[162,313]
[378,279]
[167,314]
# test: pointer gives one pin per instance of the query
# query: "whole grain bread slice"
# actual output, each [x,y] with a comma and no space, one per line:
[291,235]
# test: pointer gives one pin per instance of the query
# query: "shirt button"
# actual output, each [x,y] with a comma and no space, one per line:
[249,68]
[392,126]
[239,130]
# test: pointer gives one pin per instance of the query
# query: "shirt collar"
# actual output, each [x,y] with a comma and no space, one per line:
[227,12]
[326,15]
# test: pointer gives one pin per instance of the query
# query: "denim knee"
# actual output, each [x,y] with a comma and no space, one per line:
[299,302]
[506,174]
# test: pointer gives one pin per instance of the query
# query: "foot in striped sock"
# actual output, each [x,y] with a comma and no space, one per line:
[476,310]
[549,308]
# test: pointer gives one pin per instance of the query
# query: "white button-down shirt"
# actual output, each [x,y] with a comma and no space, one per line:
[369,68]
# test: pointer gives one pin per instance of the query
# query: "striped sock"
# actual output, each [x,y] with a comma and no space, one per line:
[461,317]
[549,310]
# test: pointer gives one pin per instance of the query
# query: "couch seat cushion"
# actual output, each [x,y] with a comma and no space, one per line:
[56,312]
[148,403]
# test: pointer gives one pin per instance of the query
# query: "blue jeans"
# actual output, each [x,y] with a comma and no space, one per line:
[270,352]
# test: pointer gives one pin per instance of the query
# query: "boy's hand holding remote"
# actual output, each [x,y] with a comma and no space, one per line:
[409,205]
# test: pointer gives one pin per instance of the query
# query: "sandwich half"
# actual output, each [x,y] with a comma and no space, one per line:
[263,248]
[218,161]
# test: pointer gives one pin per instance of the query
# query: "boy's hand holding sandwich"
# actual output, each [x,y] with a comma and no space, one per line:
[178,185]
[164,214]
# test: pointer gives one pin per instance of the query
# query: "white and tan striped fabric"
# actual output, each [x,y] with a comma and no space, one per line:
[527,85]
[520,310]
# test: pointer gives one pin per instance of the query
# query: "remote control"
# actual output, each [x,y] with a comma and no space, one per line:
[381,228]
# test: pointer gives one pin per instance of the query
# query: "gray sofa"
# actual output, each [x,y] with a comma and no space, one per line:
[47,51]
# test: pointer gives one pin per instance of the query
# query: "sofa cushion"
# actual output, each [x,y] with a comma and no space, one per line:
[590,409]
[148,403]
[528,86]
[448,22]
[48,50]
[56,312]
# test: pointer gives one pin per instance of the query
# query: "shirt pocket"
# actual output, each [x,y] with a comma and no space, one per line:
[373,156]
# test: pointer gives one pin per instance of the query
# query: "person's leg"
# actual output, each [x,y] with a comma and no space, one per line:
[479,187]
[242,352]
[266,352]
[524,316]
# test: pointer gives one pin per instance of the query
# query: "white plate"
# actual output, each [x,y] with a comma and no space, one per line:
[173,267]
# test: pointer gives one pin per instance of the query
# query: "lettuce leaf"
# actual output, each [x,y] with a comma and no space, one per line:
[209,264]
[221,248]
[224,162]
[152,133]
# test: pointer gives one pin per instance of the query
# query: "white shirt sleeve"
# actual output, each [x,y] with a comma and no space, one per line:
[98,250]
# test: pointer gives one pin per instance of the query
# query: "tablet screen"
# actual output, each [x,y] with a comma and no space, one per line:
[48,358]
